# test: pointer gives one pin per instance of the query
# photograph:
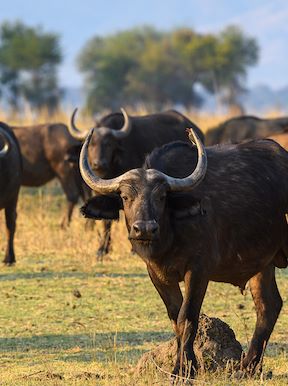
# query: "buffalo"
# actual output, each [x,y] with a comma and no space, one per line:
[49,152]
[10,180]
[237,129]
[120,142]
[225,221]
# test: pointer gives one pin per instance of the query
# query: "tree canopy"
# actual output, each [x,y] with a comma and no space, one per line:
[157,68]
[28,65]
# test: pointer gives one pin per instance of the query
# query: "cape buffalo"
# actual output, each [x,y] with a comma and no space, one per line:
[10,180]
[46,151]
[225,222]
[235,130]
[121,142]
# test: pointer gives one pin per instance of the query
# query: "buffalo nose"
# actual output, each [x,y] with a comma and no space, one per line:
[145,230]
[100,165]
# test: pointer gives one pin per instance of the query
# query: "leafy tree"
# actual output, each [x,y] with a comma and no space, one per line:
[158,68]
[235,52]
[28,65]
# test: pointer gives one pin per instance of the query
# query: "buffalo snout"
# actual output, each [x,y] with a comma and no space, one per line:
[144,230]
[100,166]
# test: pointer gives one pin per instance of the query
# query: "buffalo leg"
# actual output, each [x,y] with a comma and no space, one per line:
[10,217]
[72,195]
[171,296]
[268,304]
[68,214]
[187,323]
[105,240]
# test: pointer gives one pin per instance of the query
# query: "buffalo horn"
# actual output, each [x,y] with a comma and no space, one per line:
[127,126]
[112,185]
[190,182]
[5,146]
[74,131]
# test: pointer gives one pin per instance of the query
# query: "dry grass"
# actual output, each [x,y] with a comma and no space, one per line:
[50,336]
[203,120]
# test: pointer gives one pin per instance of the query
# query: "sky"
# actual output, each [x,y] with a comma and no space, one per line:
[78,21]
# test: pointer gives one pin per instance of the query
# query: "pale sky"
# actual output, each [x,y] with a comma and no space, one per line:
[77,21]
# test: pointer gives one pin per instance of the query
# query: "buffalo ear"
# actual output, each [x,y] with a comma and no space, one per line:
[102,207]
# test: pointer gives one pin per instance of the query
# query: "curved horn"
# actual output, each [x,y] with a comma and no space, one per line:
[74,131]
[96,183]
[190,182]
[126,127]
[112,185]
[6,145]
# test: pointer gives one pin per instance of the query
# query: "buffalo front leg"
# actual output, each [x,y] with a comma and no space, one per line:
[187,323]
[171,296]
[268,304]
[105,240]
[10,217]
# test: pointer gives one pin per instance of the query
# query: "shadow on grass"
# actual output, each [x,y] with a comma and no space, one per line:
[76,275]
[274,348]
[85,348]
[66,342]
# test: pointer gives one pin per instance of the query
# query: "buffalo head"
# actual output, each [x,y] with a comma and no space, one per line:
[143,194]
[105,144]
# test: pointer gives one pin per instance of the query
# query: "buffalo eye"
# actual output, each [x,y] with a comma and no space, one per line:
[126,198]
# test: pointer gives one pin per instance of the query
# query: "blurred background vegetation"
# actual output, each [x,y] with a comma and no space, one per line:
[132,67]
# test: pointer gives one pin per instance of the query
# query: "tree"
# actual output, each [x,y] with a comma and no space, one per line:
[158,68]
[235,52]
[28,65]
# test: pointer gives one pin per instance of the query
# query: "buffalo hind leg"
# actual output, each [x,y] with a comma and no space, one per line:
[68,214]
[268,304]
[68,181]
[105,240]
[10,217]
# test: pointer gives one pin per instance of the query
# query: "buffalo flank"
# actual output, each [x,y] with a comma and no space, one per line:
[49,152]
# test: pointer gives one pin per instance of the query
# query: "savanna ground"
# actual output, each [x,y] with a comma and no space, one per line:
[66,319]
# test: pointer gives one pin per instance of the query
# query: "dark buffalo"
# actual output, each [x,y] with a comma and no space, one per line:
[225,223]
[10,180]
[120,143]
[235,130]
[47,151]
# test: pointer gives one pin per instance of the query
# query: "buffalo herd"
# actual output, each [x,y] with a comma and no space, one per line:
[193,213]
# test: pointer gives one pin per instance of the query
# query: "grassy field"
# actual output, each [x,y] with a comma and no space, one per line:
[67,320]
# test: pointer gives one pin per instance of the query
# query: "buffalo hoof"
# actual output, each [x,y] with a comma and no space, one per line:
[9,263]
[185,375]
[102,251]
[64,225]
